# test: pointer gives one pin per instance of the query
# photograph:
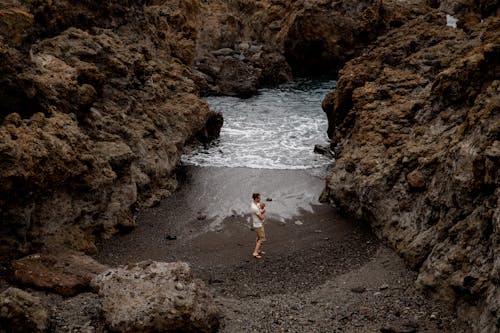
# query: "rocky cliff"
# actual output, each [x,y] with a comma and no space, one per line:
[96,103]
[98,100]
[415,122]
[243,45]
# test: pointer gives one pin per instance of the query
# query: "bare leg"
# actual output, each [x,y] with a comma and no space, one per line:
[257,247]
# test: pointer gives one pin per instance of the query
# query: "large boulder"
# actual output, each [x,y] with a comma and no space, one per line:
[155,297]
[62,271]
[22,312]
[416,124]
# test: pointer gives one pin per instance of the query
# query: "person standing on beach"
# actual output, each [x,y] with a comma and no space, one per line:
[258,216]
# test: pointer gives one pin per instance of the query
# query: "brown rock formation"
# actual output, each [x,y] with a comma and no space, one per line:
[245,44]
[416,125]
[59,270]
[96,102]
[482,8]
[22,312]
[155,297]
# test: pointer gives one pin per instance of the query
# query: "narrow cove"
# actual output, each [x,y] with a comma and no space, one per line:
[321,271]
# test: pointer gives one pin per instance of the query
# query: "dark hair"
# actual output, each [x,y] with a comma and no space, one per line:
[255,195]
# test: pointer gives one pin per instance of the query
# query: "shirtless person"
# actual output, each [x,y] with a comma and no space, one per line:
[258,215]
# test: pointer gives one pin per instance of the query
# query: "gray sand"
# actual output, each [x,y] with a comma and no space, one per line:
[324,274]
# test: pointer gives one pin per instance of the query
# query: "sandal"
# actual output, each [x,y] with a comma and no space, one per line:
[262,252]
[256,256]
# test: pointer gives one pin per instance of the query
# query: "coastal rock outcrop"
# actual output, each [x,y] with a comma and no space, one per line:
[98,100]
[243,45]
[478,8]
[96,103]
[155,297]
[22,312]
[59,270]
[416,125]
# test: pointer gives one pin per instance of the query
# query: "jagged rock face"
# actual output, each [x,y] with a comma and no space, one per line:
[322,38]
[22,312]
[238,46]
[483,8]
[245,44]
[468,12]
[98,99]
[416,124]
[96,103]
[155,297]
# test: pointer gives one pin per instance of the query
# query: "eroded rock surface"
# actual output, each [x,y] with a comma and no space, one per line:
[96,103]
[416,125]
[22,312]
[98,99]
[155,297]
[244,44]
[60,270]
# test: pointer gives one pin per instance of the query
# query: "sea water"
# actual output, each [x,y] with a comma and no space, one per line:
[275,129]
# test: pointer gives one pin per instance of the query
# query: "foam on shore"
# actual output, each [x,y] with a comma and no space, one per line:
[276,129]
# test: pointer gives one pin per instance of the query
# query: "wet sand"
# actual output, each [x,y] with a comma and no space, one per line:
[321,272]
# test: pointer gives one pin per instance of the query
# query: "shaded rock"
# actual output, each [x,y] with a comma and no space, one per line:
[62,271]
[484,8]
[236,78]
[223,52]
[22,312]
[275,68]
[398,329]
[358,290]
[155,296]
[321,39]
[15,25]
[212,128]
[416,180]
[106,100]
[278,38]
[323,150]
[413,120]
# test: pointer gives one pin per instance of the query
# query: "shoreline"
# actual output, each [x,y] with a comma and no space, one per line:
[321,275]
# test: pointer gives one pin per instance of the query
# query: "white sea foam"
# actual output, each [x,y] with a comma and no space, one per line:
[276,129]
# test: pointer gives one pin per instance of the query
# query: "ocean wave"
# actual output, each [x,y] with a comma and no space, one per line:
[276,129]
